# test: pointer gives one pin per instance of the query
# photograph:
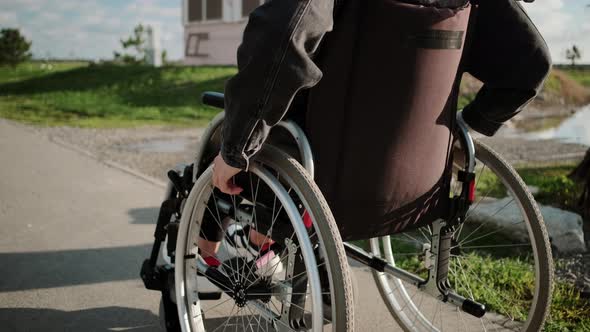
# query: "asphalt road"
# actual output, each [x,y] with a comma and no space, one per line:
[73,233]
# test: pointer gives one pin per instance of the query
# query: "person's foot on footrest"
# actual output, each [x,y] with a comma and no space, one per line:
[237,243]
[268,262]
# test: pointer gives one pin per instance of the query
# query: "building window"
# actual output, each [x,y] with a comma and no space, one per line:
[195,10]
[204,10]
[213,11]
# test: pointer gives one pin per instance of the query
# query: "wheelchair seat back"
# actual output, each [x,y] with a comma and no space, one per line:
[380,120]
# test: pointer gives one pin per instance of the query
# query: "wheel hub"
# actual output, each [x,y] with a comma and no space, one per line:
[240,295]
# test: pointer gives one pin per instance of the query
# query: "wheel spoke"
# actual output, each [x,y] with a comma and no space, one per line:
[213,307]
[227,320]
[487,234]
[486,222]
[498,246]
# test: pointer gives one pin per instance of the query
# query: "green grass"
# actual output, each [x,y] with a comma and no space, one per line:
[568,312]
[488,185]
[31,70]
[464,99]
[555,188]
[552,85]
[581,76]
[504,285]
[79,94]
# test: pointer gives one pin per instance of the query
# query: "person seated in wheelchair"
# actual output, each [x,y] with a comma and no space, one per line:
[374,85]
[333,59]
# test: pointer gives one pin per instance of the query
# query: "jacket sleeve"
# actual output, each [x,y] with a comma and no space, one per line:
[274,63]
[509,55]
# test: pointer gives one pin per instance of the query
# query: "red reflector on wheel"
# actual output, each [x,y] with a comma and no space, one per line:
[306,219]
[472,191]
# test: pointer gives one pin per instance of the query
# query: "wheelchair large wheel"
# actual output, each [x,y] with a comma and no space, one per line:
[306,285]
[500,257]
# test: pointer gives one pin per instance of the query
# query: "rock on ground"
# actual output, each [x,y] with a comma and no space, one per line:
[564,227]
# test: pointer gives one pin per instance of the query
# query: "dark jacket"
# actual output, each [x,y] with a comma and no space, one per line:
[274,63]
[281,40]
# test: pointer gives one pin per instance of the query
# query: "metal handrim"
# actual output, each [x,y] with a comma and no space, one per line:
[187,289]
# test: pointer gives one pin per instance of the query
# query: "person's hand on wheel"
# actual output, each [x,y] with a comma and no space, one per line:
[222,176]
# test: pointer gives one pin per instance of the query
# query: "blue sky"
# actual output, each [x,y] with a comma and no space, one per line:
[563,23]
[92,28]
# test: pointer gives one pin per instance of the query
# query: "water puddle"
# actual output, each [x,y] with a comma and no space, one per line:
[171,145]
[571,129]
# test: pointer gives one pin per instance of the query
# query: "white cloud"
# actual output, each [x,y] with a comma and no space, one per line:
[8,19]
[150,8]
[20,5]
[550,17]
[90,28]
[562,25]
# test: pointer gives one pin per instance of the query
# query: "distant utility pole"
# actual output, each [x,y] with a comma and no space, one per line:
[153,49]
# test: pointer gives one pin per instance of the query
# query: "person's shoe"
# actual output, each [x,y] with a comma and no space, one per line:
[268,263]
[237,244]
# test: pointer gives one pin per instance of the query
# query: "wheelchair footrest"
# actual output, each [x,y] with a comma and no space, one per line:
[154,278]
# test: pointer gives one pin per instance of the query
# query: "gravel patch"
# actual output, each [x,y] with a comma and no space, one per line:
[520,152]
[575,270]
[149,150]
[155,150]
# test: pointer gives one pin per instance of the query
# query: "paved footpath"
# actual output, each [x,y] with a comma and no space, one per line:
[73,233]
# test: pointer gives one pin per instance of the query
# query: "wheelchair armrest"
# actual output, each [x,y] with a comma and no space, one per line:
[214,99]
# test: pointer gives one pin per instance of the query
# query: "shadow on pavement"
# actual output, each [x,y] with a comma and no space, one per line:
[97,319]
[144,216]
[34,270]
[246,322]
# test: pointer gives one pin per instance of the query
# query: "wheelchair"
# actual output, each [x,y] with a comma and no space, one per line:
[465,273]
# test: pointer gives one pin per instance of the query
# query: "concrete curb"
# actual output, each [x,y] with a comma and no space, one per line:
[77,149]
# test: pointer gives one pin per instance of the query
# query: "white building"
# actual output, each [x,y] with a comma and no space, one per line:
[213,29]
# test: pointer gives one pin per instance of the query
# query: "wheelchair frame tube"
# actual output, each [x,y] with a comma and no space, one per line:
[380,265]
[302,143]
[466,141]
[216,99]
[471,307]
